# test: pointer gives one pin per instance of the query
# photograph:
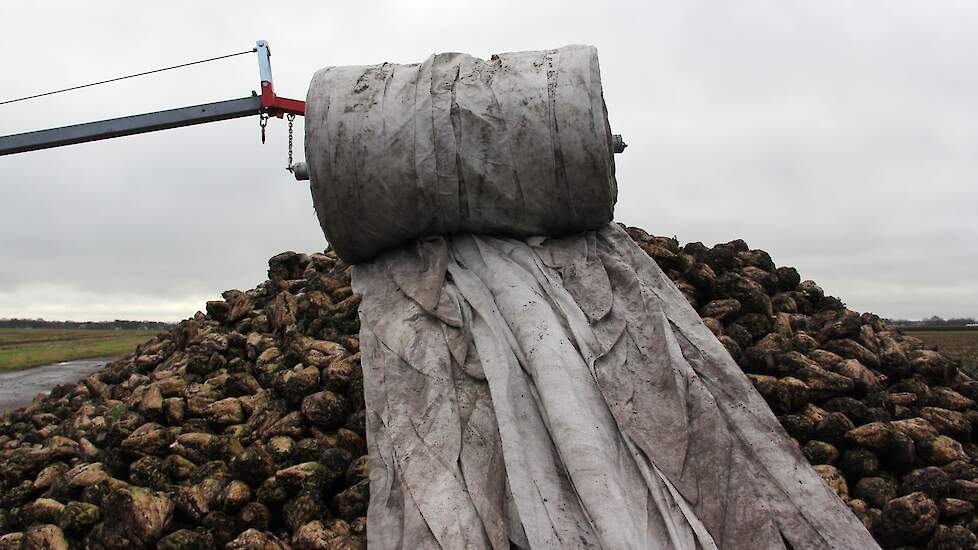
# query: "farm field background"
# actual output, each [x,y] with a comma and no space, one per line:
[22,348]
[961,343]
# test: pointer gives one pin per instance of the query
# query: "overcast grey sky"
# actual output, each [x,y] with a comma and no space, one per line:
[841,137]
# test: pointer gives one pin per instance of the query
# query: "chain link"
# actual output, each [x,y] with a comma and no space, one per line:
[291,118]
[263,121]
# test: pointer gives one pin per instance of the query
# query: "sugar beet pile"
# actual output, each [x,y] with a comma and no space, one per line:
[244,427]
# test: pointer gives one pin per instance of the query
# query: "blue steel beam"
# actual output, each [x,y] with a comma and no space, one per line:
[127,126]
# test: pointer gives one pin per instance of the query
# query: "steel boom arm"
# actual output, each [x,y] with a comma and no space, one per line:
[267,104]
[129,125]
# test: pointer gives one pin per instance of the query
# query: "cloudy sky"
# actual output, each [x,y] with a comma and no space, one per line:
[841,137]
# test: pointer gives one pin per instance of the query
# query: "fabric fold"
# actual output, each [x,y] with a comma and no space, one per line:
[561,393]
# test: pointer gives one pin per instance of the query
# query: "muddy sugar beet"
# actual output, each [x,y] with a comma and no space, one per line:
[244,426]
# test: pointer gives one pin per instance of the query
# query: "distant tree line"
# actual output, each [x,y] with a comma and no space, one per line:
[934,321]
[118,324]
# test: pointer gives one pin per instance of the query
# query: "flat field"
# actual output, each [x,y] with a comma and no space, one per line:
[22,348]
[960,343]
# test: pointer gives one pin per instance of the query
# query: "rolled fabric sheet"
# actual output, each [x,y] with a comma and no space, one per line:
[532,379]
[515,145]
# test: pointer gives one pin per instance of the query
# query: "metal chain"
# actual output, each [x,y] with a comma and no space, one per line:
[291,118]
[263,121]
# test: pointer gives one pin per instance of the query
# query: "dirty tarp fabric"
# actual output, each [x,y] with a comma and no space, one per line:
[516,145]
[527,391]
[561,393]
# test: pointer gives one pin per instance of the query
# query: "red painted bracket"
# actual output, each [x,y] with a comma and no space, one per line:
[279,106]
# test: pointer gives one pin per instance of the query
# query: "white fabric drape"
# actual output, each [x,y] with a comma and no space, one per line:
[561,393]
